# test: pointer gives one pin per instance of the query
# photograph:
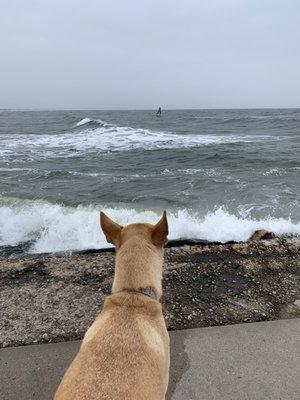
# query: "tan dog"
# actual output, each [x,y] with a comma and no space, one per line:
[125,353]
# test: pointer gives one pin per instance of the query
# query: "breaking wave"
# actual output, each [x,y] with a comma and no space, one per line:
[54,228]
[89,121]
[96,136]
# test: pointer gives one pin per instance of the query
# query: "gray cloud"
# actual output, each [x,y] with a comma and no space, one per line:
[138,54]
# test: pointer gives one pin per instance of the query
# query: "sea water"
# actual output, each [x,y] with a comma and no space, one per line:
[220,174]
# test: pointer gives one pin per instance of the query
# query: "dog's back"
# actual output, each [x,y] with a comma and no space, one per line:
[125,353]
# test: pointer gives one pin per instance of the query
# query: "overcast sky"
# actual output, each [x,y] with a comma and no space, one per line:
[98,54]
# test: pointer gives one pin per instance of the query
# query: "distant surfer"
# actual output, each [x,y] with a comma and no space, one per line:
[158,112]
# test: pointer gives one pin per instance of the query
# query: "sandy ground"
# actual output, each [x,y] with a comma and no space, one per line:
[51,299]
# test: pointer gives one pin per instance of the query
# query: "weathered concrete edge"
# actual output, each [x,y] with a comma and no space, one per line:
[201,359]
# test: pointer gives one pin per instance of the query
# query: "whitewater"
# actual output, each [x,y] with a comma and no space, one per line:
[54,228]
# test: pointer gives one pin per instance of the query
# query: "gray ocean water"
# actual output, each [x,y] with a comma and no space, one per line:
[221,174]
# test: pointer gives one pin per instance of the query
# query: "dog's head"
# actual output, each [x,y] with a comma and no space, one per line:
[118,235]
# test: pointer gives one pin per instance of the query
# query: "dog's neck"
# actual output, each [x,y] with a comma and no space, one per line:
[138,267]
[149,292]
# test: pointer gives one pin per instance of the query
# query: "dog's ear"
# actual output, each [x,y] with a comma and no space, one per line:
[160,231]
[110,228]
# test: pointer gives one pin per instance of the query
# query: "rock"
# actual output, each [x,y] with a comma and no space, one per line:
[45,337]
[258,235]
[297,303]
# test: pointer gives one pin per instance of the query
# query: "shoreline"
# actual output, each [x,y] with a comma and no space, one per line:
[171,243]
[56,298]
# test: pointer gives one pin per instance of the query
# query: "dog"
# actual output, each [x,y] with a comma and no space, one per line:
[125,353]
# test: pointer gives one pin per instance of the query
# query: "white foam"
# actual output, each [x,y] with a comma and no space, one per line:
[53,227]
[275,171]
[16,169]
[106,137]
[84,121]
[209,172]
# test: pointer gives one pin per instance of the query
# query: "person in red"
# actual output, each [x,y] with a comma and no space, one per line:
[158,112]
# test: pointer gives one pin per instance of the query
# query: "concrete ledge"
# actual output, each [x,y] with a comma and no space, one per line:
[257,361]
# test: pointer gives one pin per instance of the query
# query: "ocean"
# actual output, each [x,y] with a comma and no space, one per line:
[220,174]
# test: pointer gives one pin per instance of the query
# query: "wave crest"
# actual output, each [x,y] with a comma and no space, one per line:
[96,136]
[54,228]
[89,121]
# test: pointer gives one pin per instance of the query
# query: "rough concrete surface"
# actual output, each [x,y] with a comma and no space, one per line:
[257,361]
[52,299]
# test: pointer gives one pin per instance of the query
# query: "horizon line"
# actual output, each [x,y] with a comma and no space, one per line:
[147,109]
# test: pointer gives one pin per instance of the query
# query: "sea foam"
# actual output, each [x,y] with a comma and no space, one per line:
[54,228]
[96,136]
[83,121]
[86,121]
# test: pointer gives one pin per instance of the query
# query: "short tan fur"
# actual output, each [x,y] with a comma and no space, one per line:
[125,353]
